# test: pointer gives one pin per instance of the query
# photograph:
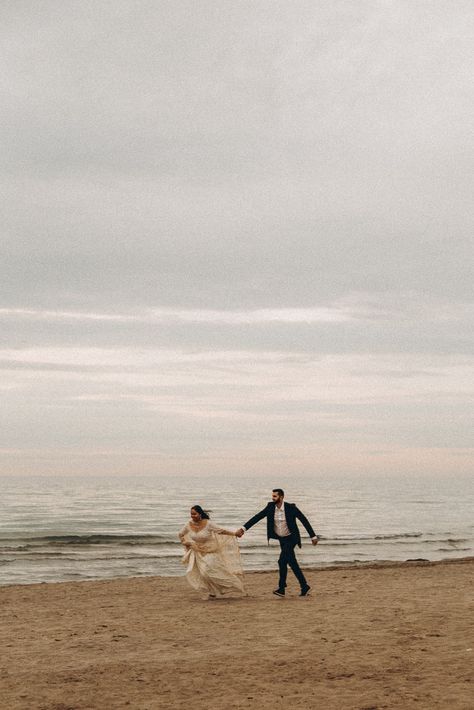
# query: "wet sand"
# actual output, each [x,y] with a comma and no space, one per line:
[367,638]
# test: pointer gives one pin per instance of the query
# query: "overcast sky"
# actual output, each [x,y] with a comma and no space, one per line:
[236,236]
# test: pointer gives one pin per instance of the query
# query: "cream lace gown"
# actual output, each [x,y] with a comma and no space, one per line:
[213,561]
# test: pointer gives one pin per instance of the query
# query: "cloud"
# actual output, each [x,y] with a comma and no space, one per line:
[169,315]
[236,227]
[251,158]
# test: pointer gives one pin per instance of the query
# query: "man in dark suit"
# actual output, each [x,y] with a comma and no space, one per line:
[282,526]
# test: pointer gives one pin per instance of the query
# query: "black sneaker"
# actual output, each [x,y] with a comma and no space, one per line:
[279,592]
[305,590]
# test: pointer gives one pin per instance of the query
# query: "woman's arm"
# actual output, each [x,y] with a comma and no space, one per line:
[182,533]
[220,531]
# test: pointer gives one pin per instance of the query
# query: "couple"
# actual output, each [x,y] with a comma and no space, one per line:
[213,556]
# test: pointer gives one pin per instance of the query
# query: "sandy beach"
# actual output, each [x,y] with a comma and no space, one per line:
[367,638]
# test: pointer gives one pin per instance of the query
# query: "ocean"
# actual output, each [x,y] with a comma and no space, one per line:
[55,529]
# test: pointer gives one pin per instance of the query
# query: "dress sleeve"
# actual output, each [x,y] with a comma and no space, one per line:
[216,529]
[183,532]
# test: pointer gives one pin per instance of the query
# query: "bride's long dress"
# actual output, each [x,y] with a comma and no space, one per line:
[213,561]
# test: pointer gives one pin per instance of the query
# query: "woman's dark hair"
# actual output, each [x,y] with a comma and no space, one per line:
[204,515]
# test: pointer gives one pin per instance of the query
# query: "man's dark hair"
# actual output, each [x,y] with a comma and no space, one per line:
[279,491]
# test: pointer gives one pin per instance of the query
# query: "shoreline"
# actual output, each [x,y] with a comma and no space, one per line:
[322,567]
[375,564]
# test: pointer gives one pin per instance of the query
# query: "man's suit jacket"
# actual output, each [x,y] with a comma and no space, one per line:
[291,513]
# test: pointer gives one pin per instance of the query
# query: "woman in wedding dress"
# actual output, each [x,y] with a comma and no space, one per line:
[212,557]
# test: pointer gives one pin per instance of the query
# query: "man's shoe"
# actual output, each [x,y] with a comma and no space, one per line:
[279,592]
[305,590]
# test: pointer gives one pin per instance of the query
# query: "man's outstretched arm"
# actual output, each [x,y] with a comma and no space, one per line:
[252,521]
[307,525]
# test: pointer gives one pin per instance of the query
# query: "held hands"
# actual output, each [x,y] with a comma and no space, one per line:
[241,531]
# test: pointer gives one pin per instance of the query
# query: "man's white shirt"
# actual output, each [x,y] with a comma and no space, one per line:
[281,526]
